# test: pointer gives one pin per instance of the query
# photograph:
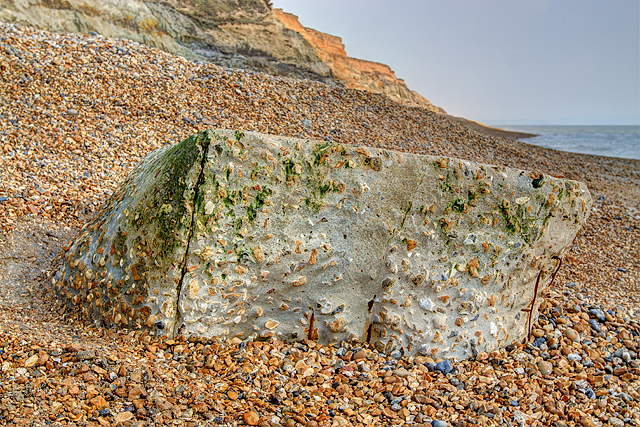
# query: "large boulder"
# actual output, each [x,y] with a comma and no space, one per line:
[254,236]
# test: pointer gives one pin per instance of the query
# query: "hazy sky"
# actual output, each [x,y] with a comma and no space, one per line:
[499,61]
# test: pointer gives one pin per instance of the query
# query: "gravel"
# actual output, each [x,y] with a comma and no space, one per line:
[78,112]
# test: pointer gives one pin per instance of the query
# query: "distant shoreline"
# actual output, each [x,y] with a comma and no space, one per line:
[488,130]
[601,140]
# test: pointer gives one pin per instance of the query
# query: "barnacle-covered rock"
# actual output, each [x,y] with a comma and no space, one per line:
[256,236]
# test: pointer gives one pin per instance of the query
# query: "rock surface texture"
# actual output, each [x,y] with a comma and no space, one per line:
[254,236]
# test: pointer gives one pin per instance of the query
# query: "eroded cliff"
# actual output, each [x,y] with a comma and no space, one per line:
[356,73]
[231,33]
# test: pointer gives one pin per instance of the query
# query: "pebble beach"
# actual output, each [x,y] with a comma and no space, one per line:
[78,112]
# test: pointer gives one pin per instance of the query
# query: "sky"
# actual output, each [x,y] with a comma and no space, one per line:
[499,61]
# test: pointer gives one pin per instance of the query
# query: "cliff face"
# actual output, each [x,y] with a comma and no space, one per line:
[231,33]
[356,73]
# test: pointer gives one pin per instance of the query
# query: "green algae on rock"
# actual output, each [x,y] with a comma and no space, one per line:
[126,264]
[257,236]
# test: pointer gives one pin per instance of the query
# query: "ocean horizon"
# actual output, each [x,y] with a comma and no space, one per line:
[602,140]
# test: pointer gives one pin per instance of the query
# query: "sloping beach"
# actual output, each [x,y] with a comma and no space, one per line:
[76,115]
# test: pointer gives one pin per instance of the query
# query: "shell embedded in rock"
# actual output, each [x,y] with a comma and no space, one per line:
[252,235]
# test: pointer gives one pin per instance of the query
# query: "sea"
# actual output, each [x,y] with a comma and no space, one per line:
[611,141]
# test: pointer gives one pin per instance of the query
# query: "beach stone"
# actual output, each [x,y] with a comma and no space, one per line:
[571,334]
[445,366]
[545,367]
[360,354]
[250,235]
[251,418]
[598,314]
[31,361]
[539,342]
[123,417]
[395,354]
[616,422]
[401,372]
[574,356]
[86,354]
[538,333]
[594,325]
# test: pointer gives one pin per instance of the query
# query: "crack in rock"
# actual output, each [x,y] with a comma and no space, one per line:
[204,147]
